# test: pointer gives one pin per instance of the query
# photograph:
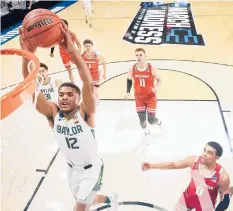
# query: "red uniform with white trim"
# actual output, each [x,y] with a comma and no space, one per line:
[93,65]
[145,98]
[202,192]
[66,57]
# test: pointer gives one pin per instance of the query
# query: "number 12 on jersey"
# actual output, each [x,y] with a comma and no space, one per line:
[72,143]
[142,82]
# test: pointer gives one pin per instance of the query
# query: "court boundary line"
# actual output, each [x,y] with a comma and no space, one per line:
[205,62]
[34,193]
[50,163]
[41,170]
[41,181]
[137,203]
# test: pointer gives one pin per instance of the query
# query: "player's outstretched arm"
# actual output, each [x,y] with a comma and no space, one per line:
[88,96]
[181,164]
[45,107]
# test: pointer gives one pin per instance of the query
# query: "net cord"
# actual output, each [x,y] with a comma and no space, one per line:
[38,84]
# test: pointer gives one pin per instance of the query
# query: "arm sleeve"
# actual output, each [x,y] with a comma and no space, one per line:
[129,85]
[223,205]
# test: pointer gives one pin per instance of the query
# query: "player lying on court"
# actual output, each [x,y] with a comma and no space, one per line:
[65,56]
[207,178]
[144,76]
[73,125]
[50,85]
[93,60]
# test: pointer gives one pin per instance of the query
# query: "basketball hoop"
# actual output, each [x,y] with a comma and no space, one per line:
[16,97]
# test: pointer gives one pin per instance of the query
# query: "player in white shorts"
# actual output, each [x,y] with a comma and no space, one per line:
[73,125]
[88,11]
[50,85]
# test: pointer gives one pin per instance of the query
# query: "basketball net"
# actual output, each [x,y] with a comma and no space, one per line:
[38,83]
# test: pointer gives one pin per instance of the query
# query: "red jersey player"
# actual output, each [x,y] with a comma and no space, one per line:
[66,57]
[144,75]
[207,178]
[93,60]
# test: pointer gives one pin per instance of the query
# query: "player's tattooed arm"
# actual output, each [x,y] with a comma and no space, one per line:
[181,164]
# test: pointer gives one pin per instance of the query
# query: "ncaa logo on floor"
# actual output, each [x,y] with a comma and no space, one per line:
[159,23]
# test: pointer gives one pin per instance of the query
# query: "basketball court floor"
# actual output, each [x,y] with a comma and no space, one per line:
[195,105]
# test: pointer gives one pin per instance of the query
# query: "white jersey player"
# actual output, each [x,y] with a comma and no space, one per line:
[73,125]
[87,7]
[50,85]
[76,134]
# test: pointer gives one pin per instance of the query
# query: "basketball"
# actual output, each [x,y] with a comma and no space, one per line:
[42,28]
